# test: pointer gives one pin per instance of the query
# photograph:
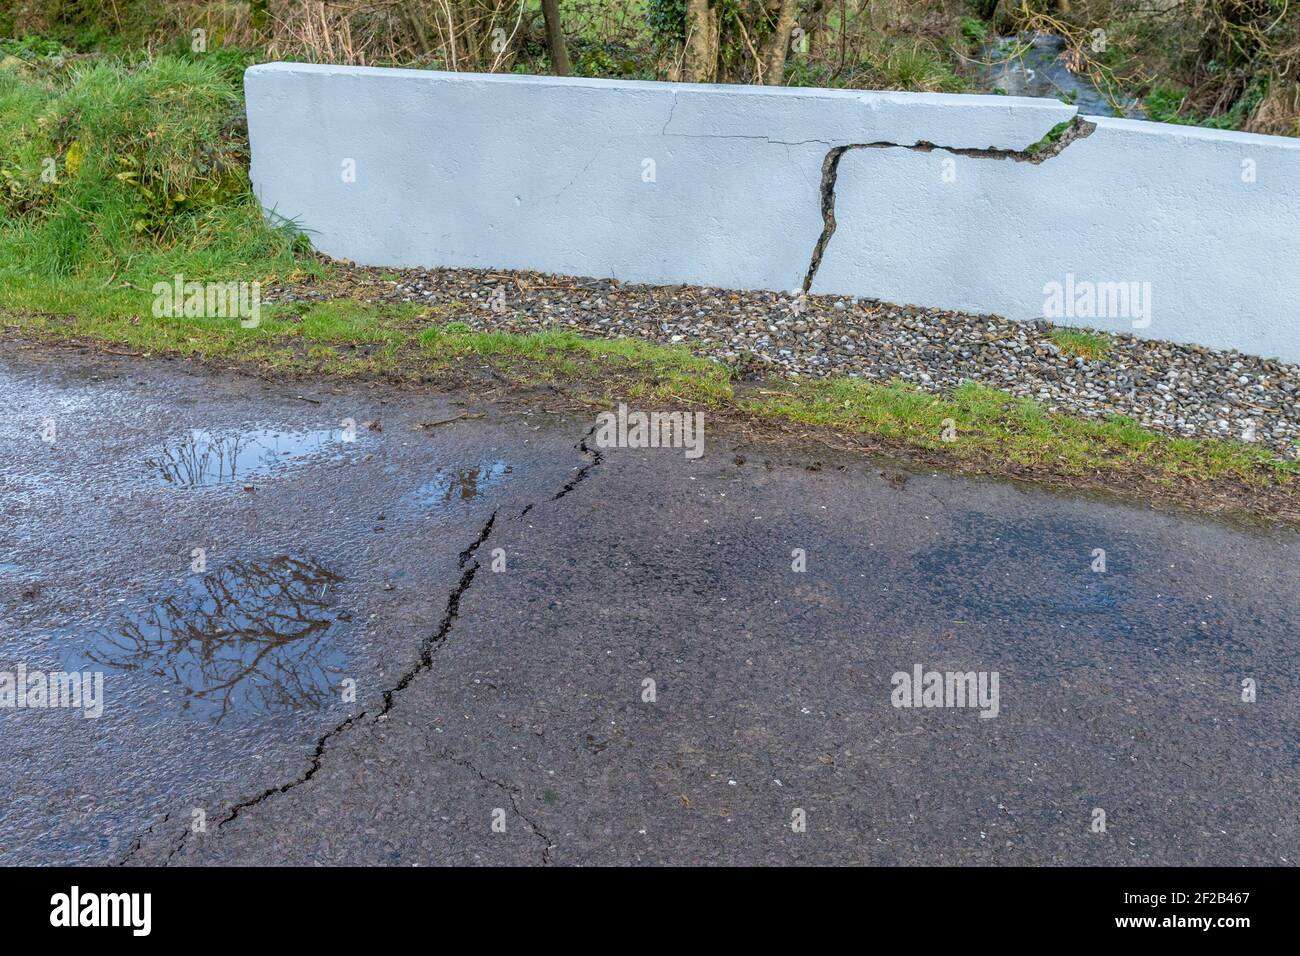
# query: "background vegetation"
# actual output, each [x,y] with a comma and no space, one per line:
[123,153]
[1232,63]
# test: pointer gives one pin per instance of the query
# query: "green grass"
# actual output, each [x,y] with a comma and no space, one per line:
[1051,137]
[1166,103]
[1091,345]
[346,338]
[113,173]
[974,31]
[984,424]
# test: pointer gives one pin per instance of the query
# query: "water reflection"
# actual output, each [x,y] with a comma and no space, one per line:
[464,484]
[252,637]
[210,458]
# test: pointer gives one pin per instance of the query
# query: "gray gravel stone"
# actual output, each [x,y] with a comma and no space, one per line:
[1184,390]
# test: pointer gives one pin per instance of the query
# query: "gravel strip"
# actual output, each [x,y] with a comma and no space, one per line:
[1184,390]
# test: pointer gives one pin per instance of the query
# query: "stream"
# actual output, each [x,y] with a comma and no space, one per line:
[1040,70]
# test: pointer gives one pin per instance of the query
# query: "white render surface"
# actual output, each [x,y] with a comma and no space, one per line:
[721,186]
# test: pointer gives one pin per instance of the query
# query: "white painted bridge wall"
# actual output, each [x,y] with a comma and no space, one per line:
[722,186]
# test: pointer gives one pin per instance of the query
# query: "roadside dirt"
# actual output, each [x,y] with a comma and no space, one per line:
[510,385]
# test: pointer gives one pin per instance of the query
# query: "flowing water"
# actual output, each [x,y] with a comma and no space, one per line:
[1035,65]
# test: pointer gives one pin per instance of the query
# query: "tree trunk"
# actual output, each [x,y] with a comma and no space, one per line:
[778,44]
[815,26]
[701,43]
[555,38]
[469,30]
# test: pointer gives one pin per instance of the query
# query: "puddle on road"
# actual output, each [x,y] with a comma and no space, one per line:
[205,458]
[465,484]
[255,638]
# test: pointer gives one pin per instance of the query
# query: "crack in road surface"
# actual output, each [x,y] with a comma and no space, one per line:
[514,793]
[596,459]
[449,616]
[450,613]
[1036,154]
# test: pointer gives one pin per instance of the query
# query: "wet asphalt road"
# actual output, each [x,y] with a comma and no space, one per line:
[499,594]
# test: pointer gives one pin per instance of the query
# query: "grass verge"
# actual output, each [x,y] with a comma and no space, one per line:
[977,423]
[117,173]
[974,428]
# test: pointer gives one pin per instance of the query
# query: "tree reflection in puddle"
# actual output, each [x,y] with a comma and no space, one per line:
[256,638]
[463,484]
[205,458]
